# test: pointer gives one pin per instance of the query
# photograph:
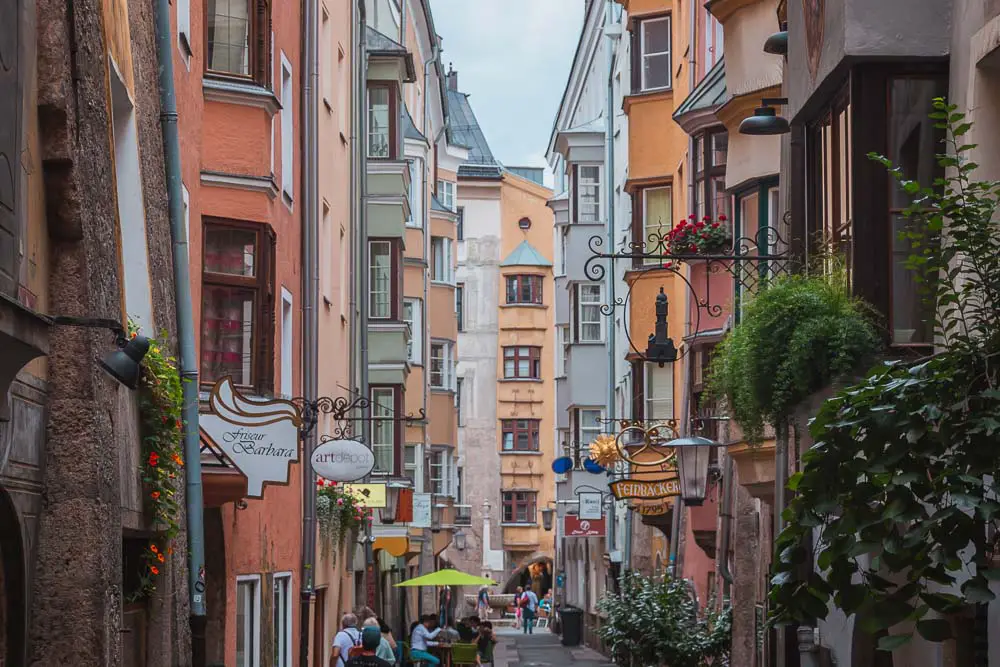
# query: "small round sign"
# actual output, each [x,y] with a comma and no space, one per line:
[590,465]
[342,460]
[562,465]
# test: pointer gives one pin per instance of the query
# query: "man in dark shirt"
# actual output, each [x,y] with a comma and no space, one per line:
[371,637]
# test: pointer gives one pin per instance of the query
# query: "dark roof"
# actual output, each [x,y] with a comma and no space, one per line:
[436,205]
[410,130]
[464,130]
[710,91]
[533,174]
[378,43]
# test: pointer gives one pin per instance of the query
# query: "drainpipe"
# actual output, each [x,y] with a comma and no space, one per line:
[185,334]
[780,481]
[363,218]
[356,156]
[310,318]
[726,514]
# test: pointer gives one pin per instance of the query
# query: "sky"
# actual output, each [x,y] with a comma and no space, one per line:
[512,59]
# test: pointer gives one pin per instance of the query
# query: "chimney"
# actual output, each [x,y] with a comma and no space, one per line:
[452,78]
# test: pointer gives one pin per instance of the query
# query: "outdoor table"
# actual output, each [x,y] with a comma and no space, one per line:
[442,651]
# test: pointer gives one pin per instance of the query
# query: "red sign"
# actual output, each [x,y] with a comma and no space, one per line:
[577,527]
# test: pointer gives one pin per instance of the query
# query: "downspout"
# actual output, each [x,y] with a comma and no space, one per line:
[726,516]
[352,287]
[310,318]
[185,335]
[363,267]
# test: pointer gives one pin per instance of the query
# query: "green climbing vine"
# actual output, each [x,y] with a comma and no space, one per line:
[900,485]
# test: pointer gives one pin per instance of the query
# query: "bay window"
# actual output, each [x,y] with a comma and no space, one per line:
[442,269]
[446,194]
[522,362]
[238,39]
[383,409]
[708,161]
[519,507]
[416,218]
[460,306]
[524,289]
[651,54]
[238,306]
[589,321]
[520,435]
[382,121]
[442,365]
[588,425]
[413,315]
[587,186]
[440,472]
[657,218]
[383,280]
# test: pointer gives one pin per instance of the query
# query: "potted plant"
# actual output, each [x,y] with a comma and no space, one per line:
[699,237]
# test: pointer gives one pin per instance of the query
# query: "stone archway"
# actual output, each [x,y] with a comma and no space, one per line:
[535,570]
[13,608]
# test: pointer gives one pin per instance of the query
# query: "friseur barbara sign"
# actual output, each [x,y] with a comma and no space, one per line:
[260,437]
[342,460]
[645,489]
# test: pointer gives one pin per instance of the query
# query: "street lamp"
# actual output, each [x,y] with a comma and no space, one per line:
[122,364]
[777,44]
[692,460]
[388,513]
[765,121]
[548,514]
[460,541]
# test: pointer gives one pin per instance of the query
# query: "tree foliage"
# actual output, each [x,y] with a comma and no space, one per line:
[795,337]
[899,486]
[654,622]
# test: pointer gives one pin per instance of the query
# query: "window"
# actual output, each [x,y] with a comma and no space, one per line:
[460,305]
[657,217]
[589,426]
[287,131]
[383,403]
[524,223]
[381,297]
[713,42]
[524,289]
[589,322]
[287,343]
[237,312]
[416,193]
[248,621]
[238,39]
[459,385]
[588,193]
[651,61]
[381,129]
[413,314]
[442,365]
[440,472]
[524,362]
[184,27]
[410,463]
[441,260]
[520,435]
[519,507]
[446,193]
[709,165]
[282,620]
[562,338]
[460,225]
[660,392]
[563,239]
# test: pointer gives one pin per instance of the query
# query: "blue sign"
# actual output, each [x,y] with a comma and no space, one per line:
[590,465]
[562,465]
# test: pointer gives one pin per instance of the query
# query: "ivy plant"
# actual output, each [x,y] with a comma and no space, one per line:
[898,493]
[795,337]
[656,621]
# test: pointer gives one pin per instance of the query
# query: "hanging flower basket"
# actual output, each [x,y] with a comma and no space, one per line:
[700,237]
[339,516]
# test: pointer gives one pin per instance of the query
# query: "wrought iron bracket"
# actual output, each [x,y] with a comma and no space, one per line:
[340,408]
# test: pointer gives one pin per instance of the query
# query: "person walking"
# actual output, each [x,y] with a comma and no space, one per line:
[347,638]
[483,604]
[518,603]
[371,639]
[530,608]
[386,649]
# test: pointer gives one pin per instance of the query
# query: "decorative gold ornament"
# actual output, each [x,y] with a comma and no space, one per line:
[604,450]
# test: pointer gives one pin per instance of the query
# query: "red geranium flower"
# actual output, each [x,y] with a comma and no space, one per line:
[715,225]
[723,217]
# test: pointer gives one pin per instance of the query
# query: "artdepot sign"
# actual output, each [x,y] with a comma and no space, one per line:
[645,489]
[342,460]
[259,436]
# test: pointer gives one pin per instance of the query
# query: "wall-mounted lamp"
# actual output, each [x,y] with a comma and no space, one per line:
[124,363]
[692,459]
[764,120]
[460,541]
[777,44]
[548,514]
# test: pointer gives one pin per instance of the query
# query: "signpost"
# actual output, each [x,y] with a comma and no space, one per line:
[342,460]
[645,489]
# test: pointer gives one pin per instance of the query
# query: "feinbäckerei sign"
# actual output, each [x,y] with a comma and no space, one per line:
[342,460]
[260,436]
[644,489]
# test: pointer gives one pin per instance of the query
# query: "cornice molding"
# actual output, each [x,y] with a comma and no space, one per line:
[264,184]
[739,107]
[241,93]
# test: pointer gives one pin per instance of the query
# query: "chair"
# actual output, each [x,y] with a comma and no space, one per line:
[463,654]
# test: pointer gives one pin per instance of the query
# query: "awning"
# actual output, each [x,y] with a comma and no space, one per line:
[396,546]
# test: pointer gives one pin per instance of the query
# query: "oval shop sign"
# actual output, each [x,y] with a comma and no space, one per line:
[342,460]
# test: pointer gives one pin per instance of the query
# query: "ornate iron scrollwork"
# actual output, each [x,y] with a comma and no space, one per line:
[340,409]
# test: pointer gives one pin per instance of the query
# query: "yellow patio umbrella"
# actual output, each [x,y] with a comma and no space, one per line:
[447,577]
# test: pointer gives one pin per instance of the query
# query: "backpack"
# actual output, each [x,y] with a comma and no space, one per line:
[523,600]
[355,650]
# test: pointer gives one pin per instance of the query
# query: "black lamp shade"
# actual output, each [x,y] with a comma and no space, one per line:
[764,121]
[547,515]
[777,43]
[123,364]
[692,457]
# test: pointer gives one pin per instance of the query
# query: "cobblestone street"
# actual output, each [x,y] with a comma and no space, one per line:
[543,650]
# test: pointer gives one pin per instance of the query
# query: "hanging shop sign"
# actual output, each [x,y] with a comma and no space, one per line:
[421,510]
[342,460]
[367,495]
[591,505]
[652,509]
[645,489]
[577,527]
[259,436]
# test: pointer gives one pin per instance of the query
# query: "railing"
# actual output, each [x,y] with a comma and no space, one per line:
[463,515]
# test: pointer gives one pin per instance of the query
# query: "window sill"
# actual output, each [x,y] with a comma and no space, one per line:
[512,524]
[243,92]
[540,306]
[587,342]
[441,390]
[505,452]
[519,380]
[442,283]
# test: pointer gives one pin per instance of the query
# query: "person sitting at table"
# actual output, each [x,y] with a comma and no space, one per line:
[468,629]
[371,638]
[546,604]
[484,643]
[423,638]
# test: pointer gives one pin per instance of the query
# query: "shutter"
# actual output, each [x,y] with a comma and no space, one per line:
[266,316]
[262,46]
[10,149]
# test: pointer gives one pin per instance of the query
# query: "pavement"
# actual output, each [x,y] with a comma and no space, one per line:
[542,649]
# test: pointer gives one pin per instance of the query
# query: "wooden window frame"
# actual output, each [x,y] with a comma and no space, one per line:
[258,45]
[705,171]
[395,279]
[448,366]
[515,427]
[637,53]
[397,426]
[534,358]
[514,499]
[393,91]
[262,338]
[638,222]
[534,283]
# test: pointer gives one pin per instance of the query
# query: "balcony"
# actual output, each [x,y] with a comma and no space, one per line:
[388,198]
[387,360]
[463,515]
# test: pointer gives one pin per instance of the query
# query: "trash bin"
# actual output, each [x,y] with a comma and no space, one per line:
[571,620]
